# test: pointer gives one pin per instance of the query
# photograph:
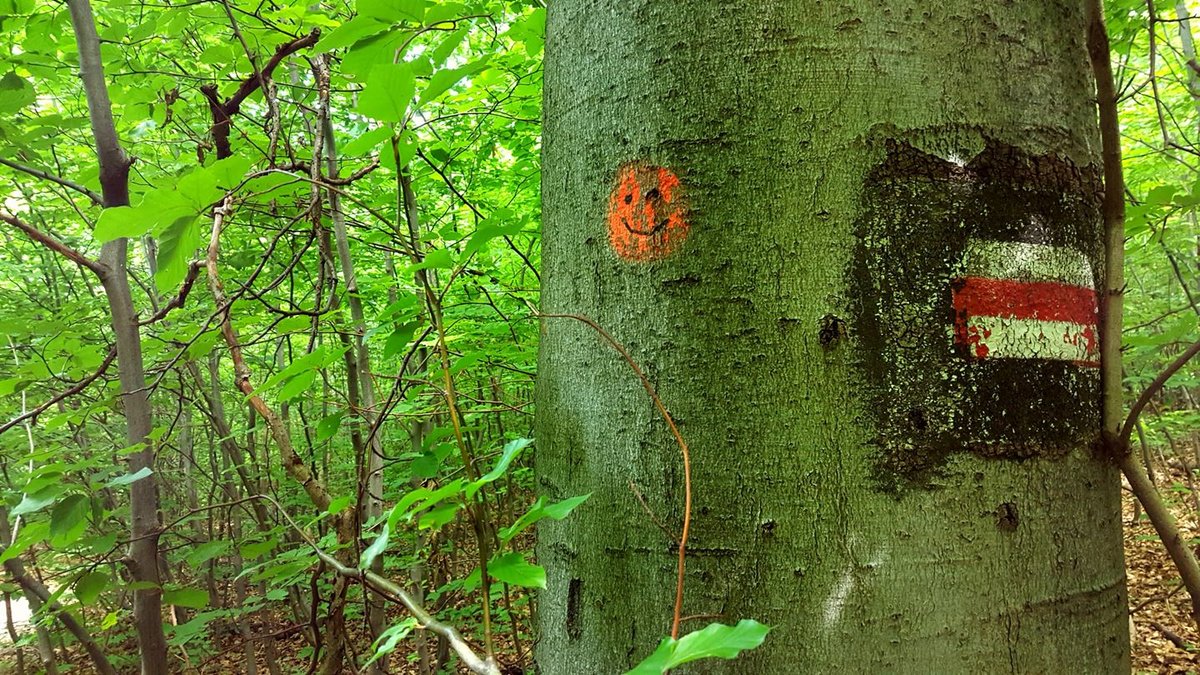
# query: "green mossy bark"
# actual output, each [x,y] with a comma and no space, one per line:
[770,113]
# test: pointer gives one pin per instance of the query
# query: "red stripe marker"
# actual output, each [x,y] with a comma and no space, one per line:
[1026,301]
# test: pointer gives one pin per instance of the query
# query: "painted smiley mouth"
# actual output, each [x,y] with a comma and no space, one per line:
[658,227]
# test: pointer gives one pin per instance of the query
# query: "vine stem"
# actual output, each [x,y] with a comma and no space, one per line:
[1114,434]
[677,617]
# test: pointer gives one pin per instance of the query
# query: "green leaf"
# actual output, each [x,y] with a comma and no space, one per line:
[177,244]
[193,598]
[512,568]
[422,498]
[336,505]
[388,639]
[511,450]
[399,151]
[397,342]
[31,503]
[297,385]
[392,11]
[713,641]
[15,93]
[89,586]
[328,427]
[539,511]
[436,259]
[491,229]
[437,517]
[447,46]
[130,477]
[228,173]
[387,92]
[293,324]
[317,358]
[31,534]
[443,79]
[371,552]
[207,551]
[258,549]
[68,520]
[350,32]
[365,143]
[116,222]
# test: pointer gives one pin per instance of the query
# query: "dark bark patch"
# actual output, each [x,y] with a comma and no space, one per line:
[832,330]
[574,597]
[767,527]
[1007,518]
[934,389]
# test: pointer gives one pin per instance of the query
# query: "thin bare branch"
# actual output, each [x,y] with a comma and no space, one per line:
[63,395]
[46,175]
[54,244]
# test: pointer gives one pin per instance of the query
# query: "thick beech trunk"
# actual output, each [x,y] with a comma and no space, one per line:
[855,249]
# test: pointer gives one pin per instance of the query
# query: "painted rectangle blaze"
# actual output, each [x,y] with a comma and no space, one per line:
[1017,300]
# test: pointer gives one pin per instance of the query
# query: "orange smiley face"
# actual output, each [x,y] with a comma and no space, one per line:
[646,214]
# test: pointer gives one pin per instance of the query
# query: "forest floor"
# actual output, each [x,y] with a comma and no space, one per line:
[1164,638]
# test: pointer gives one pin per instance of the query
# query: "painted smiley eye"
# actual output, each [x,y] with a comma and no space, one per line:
[647,216]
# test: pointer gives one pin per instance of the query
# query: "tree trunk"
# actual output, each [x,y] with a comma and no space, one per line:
[855,251]
[135,399]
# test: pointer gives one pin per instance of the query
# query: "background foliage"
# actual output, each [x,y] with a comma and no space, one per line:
[376,162]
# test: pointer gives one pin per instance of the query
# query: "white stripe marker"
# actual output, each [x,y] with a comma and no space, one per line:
[1015,300]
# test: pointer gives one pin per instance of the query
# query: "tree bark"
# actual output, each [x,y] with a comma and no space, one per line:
[135,399]
[781,210]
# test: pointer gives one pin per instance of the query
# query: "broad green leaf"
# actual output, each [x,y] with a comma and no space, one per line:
[336,505]
[207,551]
[31,503]
[392,11]
[130,477]
[228,173]
[512,568]
[177,244]
[293,324]
[398,151]
[192,598]
[436,259]
[447,46]
[365,143]
[530,31]
[511,450]
[255,550]
[29,535]
[488,230]
[713,641]
[423,498]
[388,639]
[15,93]
[350,32]
[68,520]
[90,585]
[437,517]
[371,552]
[318,358]
[387,92]
[397,342]
[116,222]
[443,79]
[327,428]
[297,385]
[539,511]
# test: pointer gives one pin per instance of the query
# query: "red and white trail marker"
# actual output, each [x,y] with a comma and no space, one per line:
[1016,300]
